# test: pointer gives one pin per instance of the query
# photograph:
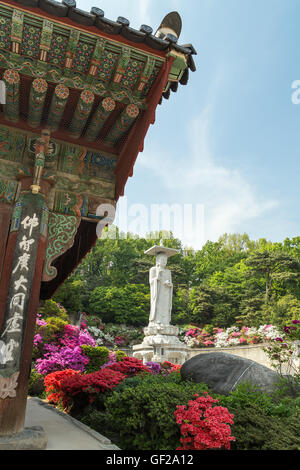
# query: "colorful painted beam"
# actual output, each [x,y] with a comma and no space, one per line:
[81,114]
[57,107]
[36,103]
[122,124]
[104,110]
[11,79]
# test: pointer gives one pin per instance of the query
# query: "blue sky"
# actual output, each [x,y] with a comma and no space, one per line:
[229,141]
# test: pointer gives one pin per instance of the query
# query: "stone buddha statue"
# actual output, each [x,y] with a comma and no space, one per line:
[161,287]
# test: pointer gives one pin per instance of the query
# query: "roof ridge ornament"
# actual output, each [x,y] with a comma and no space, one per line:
[170,27]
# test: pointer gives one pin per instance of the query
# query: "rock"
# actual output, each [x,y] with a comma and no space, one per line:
[223,372]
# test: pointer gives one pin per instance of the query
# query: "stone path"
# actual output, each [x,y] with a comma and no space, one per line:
[63,431]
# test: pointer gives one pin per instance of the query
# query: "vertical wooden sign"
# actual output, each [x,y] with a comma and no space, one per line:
[29,223]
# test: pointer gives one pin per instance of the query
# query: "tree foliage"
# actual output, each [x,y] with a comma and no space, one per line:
[233,280]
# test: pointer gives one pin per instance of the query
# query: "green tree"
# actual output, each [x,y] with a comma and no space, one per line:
[274,266]
[286,310]
[211,305]
[70,295]
[122,305]
[217,256]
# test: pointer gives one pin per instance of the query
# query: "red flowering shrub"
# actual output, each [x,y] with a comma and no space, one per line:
[93,383]
[129,366]
[170,367]
[204,426]
[53,383]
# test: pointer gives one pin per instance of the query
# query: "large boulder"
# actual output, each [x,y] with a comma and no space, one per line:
[223,372]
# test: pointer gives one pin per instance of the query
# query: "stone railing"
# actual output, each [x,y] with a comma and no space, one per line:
[253,352]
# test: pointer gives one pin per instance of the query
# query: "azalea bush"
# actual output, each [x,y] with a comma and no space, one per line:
[129,366]
[72,389]
[60,358]
[63,388]
[164,368]
[221,338]
[53,383]
[204,426]
[64,351]
[78,390]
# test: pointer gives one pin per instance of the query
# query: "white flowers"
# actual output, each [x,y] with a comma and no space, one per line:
[100,336]
[269,332]
[221,339]
[233,336]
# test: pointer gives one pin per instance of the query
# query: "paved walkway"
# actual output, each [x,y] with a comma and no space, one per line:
[63,431]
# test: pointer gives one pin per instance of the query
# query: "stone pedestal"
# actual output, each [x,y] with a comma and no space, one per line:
[33,438]
[161,344]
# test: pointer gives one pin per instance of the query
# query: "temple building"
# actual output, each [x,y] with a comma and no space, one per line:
[80,94]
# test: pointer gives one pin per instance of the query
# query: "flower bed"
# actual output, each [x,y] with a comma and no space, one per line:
[105,388]
[112,335]
[220,338]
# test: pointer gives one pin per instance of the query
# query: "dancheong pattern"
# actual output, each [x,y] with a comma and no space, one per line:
[83,56]
[5,27]
[107,67]
[132,73]
[58,49]
[8,191]
[31,41]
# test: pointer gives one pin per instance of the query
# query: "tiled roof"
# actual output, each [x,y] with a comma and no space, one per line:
[96,18]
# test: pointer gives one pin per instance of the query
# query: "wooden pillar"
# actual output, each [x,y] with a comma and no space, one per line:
[5,216]
[19,298]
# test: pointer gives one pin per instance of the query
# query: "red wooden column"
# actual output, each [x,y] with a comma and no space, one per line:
[19,298]
[5,216]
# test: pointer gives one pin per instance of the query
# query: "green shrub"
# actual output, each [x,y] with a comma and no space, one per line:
[275,404]
[120,355]
[262,422]
[254,429]
[150,380]
[142,410]
[52,309]
[98,357]
[36,387]
[52,330]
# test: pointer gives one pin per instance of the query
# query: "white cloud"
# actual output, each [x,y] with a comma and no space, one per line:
[229,199]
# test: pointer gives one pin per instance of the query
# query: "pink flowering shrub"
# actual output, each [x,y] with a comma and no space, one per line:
[60,358]
[234,336]
[57,346]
